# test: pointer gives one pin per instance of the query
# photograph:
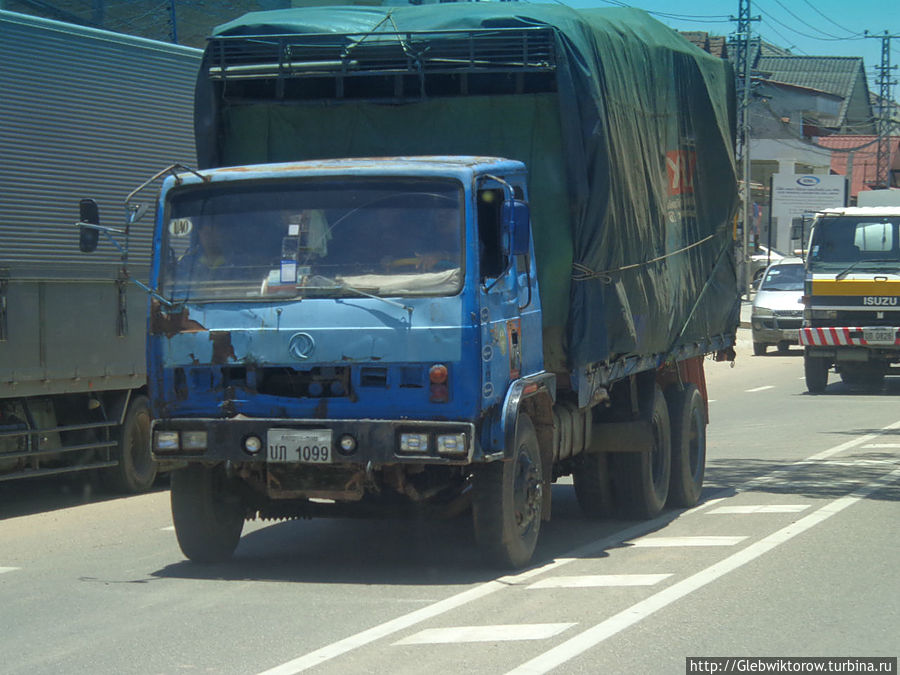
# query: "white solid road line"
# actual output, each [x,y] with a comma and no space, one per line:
[597,580]
[759,508]
[619,622]
[751,391]
[666,542]
[508,633]
[591,549]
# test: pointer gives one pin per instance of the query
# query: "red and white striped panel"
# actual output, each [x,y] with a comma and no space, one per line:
[833,337]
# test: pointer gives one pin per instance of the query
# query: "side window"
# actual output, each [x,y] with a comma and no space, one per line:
[877,237]
[490,231]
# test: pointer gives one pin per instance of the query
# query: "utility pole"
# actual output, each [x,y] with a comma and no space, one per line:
[883,158]
[743,67]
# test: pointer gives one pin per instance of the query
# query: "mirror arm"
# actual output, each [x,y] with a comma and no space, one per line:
[101,228]
[169,169]
[500,276]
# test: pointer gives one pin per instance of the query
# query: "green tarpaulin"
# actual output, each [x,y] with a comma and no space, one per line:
[632,183]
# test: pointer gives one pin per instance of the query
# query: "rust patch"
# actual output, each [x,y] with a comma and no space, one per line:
[222,349]
[169,324]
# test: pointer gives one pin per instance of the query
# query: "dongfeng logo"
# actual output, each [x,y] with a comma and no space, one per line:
[808,181]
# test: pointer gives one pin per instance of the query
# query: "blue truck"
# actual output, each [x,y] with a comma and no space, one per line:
[436,258]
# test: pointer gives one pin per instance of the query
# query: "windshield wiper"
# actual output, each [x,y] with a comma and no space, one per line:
[335,285]
[847,271]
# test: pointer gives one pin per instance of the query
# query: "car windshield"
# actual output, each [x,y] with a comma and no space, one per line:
[845,243]
[784,278]
[315,238]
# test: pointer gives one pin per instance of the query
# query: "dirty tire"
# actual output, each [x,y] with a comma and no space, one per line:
[816,370]
[208,517]
[687,414]
[592,485]
[508,501]
[641,479]
[759,348]
[136,470]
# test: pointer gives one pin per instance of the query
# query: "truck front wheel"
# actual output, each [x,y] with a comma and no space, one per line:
[208,516]
[816,370]
[641,478]
[687,414]
[136,469]
[508,501]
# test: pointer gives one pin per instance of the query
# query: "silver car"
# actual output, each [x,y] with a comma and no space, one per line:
[777,308]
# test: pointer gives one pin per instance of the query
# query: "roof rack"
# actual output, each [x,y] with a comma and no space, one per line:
[342,57]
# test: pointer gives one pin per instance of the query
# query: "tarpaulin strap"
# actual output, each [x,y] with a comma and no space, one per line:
[725,249]
[585,273]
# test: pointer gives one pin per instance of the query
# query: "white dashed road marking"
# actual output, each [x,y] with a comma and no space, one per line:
[648,542]
[593,636]
[754,390]
[525,631]
[595,580]
[667,596]
[759,508]
[8,569]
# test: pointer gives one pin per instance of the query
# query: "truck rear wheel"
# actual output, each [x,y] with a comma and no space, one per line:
[136,470]
[867,377]
[641,479]
[508,500]
[687,414]
[816,370]
[208,516]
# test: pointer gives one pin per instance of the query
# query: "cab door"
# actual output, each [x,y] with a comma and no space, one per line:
[510,320]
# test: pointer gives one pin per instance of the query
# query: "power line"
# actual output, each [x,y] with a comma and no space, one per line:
[806,23]
[829,19]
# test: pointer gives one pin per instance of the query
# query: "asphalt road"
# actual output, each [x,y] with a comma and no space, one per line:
[792,553]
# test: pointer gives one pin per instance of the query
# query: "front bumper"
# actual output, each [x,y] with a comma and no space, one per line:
[875,337]
[774,329]
[376,442]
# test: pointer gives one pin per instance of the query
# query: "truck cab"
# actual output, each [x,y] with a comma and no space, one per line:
[852,296]
[338,335]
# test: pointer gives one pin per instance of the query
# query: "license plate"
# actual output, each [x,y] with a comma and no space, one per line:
[299,446]
[878,336]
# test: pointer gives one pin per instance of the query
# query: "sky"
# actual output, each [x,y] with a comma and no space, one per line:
[806,27]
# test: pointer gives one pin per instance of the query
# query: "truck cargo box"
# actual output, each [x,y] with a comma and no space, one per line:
[85,113]
[626,129]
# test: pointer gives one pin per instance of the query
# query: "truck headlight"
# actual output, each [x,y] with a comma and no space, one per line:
[823,313]
[451,444]
[167,441]
[193,440]
[415,443]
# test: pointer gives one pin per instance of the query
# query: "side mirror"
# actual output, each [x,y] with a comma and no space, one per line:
[136,212]
[89,214]
[516,218]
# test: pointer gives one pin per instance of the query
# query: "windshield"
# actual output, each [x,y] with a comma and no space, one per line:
[323,238]
[784,278]
[845,242]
